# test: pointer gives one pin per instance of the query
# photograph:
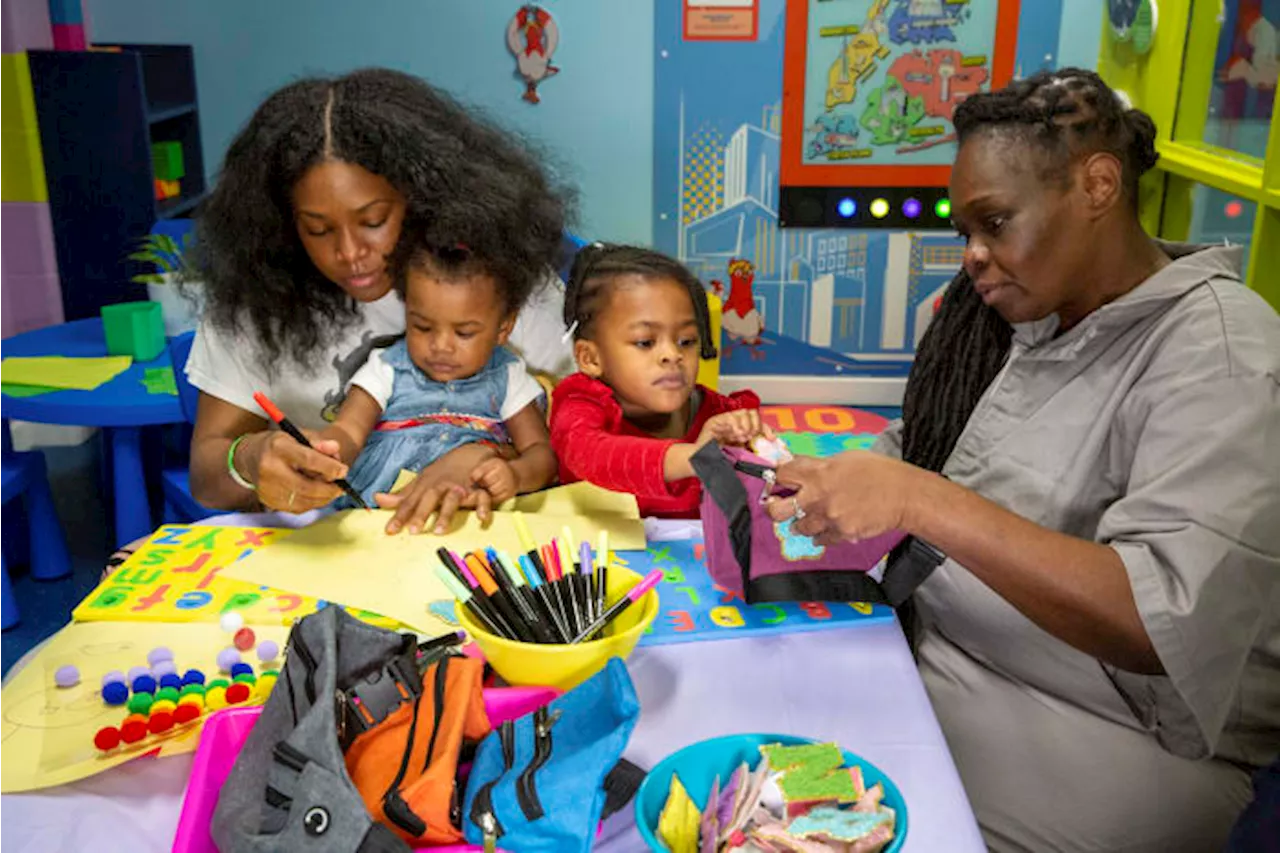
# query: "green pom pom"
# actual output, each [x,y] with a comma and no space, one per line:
[192,689]
[218,682]
[275,673]
[168,694]
[140,703]
[246,678]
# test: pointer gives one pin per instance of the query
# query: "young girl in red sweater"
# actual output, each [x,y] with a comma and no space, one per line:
[633,416]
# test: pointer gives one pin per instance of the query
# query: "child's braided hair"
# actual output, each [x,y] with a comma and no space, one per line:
[597,266]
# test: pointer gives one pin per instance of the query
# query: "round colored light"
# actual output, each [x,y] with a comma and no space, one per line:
[847,207]
[911,208]
[1234,209]
[943,208]
[880,208]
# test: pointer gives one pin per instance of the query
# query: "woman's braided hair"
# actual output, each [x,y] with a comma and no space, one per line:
[1061,116]
[597,266]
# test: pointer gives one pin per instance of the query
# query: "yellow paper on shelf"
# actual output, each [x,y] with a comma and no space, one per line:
[574,499]
[178,575]
[59,371]
[348,558]
[47,731]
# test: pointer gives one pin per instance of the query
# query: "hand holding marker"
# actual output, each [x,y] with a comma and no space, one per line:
[285,424]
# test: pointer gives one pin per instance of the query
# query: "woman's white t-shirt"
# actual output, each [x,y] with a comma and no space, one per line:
[231,367]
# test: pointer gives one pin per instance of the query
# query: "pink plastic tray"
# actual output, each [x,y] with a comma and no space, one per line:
[225,733]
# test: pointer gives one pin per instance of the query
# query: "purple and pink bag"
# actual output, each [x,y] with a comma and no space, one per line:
[750,553]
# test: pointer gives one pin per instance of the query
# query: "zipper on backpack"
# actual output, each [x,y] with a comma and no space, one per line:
[482,804]
[393,805]
[526,787]
[438,694]
[290,756]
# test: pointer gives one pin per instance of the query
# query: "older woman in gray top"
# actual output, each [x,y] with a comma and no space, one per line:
[1102,646]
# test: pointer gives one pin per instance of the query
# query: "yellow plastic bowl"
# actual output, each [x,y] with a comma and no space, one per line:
[561,666]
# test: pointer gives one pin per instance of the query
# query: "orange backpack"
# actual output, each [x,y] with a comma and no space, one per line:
[406,767]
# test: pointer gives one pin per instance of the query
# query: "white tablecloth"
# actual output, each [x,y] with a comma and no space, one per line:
[857,686]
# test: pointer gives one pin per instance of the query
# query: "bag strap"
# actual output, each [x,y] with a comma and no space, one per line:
[370,700]
[620,786]
[721,482]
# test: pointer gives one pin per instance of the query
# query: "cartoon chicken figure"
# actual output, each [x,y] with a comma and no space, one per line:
[741,322]
[532,36]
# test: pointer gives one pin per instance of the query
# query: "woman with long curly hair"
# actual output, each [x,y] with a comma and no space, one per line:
[294,247]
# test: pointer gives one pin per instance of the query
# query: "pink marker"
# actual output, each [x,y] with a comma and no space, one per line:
[637,591]
[466,573]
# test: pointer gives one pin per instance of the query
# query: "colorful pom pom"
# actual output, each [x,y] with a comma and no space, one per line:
[193,676]
[113,677]
[268,650]
[163,668]
[227,658]
[241,669]
[231,621]
[169,694]
[144,684]
[244,639]
[185,714]
[107,738]
[160,721]
[133,731]
[115,693]
[67,675]
[171,680]
[215,698]
[237,693]
[140,703]
[158,654]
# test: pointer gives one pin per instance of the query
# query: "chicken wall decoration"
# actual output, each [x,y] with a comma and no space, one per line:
[532,36]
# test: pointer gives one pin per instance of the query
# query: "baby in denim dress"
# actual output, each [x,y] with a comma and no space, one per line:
[447,383]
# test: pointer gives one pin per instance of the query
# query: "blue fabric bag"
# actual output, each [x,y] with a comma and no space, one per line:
[539,782]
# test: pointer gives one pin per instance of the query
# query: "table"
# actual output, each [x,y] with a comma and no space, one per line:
[120,407]
[857,686]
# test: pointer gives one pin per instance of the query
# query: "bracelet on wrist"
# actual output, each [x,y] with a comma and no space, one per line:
[231,466]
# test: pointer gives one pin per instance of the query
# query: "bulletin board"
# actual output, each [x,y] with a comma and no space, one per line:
[869,89]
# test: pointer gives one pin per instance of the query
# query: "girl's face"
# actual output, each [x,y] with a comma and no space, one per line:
[1027,239]
[452,325]
[644,346]
[349,221]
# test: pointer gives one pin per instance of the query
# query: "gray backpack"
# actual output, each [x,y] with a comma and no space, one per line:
[289,789]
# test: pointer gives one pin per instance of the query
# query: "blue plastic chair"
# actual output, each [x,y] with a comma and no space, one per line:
[23,475]
[175,480]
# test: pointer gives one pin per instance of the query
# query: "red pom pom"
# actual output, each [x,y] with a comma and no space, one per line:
[237,693]
[107,738]
[161,721]
[244,639]
[133,731]
[185,714]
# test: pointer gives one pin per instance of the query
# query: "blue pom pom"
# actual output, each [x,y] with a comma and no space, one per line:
[171,680]
[193,676]
[144,684]
[115,693]
[241,669]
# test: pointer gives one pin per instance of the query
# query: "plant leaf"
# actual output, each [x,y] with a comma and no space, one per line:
[148,278]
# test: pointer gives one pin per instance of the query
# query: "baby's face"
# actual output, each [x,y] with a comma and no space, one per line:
[453,325]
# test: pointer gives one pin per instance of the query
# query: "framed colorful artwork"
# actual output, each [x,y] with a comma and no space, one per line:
[869,89]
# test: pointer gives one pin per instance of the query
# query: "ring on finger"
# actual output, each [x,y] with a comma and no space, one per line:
[799,512]
[292,495]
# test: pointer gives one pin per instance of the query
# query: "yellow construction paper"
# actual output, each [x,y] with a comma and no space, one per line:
[680,822]
[47,731]
[580,498]
[177,576]
[60,371]
[348,558]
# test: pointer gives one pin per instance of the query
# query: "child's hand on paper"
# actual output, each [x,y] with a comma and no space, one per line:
[441,489]
[497,477]
[734,428]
